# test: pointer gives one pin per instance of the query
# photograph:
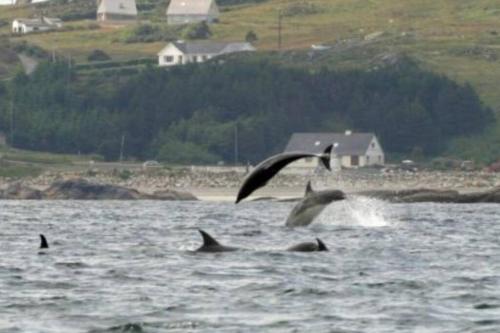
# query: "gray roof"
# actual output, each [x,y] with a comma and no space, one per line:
[189,7]
[353,144]
[207,47]
[37,22]
[120,7]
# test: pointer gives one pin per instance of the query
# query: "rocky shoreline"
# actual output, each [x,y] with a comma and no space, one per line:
[179,184]
[82,189]
[438,196]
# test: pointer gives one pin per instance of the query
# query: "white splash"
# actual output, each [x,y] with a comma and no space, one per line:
[357,210]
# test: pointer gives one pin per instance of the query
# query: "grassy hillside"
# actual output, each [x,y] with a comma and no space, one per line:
[459,38]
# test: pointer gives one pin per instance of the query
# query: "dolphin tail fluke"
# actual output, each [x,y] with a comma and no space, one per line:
[207,239]
[326,157]
[43,242]
[321,245]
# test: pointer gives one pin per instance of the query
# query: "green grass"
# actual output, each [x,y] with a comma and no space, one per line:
[437,31]
[11,170]
[42,158]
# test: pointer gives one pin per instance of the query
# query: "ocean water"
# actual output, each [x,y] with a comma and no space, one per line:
[130,267]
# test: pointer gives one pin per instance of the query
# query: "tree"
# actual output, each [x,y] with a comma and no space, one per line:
[251,37]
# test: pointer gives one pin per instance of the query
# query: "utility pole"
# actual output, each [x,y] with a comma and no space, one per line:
[280,18]
[236,143]
[12,122]
[122,145]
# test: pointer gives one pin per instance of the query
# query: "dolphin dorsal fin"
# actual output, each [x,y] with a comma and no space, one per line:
[321,245]
[207,239]
[43,242]
[309,189]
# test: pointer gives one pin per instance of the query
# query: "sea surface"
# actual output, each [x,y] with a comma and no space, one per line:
[130,267]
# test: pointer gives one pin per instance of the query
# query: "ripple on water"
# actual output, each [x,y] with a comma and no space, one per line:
[126,267]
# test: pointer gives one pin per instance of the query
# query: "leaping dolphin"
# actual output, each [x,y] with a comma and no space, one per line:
[211,245]
[312,205]
[267,169]
[309,247]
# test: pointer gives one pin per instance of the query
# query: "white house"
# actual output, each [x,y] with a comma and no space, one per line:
[180,52]
[117,11]
[24,26]
[192,11]
[350,149]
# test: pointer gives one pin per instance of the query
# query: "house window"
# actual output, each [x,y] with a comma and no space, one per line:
[204,58]
[354,160]
[168,58]
[373,144]
[380,159]
[367,159]
[195,58]
[180,59]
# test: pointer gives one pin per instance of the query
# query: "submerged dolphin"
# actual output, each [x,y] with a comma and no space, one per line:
[211,245]
[43,242]
[309,247]
[312,205]
[267,169]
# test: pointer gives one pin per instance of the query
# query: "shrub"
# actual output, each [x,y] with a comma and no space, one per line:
[301,9]
[198,31]
[98,55]
[148,33]
[251,36]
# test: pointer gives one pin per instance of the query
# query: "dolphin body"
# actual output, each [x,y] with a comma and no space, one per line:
[211,245]
[267,169]
[313,203]
[309,247]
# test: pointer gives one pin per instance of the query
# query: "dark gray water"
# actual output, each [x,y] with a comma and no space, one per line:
[128,267]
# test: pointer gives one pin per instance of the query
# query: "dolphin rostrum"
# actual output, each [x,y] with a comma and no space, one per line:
[211,245]
[312,205]
[267,169]
[309,247]
[43,242]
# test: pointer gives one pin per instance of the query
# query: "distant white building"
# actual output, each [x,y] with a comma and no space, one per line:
[117,11]
[350,149]
[180,52]
[24,26]
[192,11]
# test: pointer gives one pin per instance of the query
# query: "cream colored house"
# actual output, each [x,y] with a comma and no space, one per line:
[192,11]
[180,52]
[350,150]
[24,26]
[117,11]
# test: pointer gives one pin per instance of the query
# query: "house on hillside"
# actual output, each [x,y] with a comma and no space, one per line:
[24,26]
[180,52]
[117,11]
[350,149]
[192,11]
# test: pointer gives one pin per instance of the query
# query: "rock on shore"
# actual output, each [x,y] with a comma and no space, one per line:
[81,189]
[432,195]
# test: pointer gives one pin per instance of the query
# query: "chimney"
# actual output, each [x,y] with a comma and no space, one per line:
[348,132]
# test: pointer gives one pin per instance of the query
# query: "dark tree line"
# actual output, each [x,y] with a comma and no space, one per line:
[191,114]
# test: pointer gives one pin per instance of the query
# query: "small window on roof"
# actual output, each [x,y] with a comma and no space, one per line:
[317,143]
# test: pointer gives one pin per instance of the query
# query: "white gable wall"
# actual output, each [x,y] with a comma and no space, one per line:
[170,56]
[374,154]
